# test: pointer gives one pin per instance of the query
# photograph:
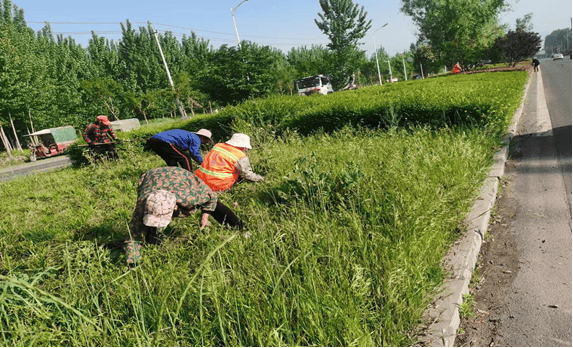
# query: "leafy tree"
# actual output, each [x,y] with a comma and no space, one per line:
[143,69]
[524,23]
[309,61]
[424,59]
[103,57]
[558,41]
[345,24]
[237,74]
[457,30]
[105,93]
[369,71]
[518,45]
[196,53]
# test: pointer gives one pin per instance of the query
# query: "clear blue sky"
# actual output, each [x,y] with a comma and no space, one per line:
[280,23]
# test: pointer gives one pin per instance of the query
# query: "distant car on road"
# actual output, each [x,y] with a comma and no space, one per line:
[557,56]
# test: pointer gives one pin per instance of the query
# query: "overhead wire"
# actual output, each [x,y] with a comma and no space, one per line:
[181,27]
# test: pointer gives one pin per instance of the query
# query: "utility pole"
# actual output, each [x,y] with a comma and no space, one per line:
[405,74]
[390,68]
[179,105]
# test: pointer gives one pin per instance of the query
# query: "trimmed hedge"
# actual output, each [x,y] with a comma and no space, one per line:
[485,100]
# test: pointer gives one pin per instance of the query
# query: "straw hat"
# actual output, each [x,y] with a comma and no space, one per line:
[240,140]
[159,208]
[205,133]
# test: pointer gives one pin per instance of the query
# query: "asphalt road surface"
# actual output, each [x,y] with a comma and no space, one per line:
[557,85]
[41,165]
[524,299]
[539,299]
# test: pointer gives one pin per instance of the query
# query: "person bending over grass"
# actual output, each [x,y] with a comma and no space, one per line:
[97,136]
[227,163]
[177,146]
[167,192]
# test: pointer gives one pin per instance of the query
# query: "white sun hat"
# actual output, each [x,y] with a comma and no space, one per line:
[207,134]
[240,140]
[159,208]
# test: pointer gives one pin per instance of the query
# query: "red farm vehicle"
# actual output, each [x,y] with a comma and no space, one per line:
[51,142]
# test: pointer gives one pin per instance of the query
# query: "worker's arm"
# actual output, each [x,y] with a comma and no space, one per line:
[244,167]
[136,227]
[195,149]
[86,134]
[112,133]
[198,196]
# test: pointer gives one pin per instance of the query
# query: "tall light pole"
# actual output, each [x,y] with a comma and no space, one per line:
[233,10]
[390,68]
[376,52]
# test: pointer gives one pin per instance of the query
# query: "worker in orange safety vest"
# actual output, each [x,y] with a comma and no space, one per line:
[227,163]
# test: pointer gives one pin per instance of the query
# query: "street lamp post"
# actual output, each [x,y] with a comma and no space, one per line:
[376,52]
[233,10]
[390,68]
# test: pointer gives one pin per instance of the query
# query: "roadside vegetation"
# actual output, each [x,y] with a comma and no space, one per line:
[364,192]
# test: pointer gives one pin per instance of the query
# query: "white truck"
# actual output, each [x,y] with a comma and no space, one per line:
[314,84]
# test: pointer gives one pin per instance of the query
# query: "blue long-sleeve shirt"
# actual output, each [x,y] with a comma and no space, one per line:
[184,139]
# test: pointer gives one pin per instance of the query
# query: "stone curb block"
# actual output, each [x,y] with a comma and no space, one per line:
[462,257]
[461,261]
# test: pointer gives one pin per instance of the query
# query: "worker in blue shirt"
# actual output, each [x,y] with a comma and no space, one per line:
[179,147]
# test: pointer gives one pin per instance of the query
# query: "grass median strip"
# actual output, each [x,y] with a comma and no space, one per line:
[347,236]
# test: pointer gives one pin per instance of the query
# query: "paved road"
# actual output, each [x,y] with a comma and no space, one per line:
[40,165]
[539,299]
[557,85]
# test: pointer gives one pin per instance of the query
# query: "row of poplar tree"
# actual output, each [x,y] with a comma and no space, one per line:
[53,81]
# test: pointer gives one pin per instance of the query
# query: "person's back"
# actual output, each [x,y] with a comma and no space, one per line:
[179,147]
[227,162]
[218,169]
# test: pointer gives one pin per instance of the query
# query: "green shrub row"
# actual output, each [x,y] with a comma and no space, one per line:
[485,100]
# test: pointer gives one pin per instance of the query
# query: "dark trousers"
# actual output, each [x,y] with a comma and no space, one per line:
[226,217]
[104,151]
[172,154]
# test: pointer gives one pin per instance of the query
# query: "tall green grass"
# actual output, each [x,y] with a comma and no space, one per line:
[347,236]
[364,193]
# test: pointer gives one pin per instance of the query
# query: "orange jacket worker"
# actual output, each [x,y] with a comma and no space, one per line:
[227,163]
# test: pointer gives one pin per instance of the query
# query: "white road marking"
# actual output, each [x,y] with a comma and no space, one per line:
[543,126]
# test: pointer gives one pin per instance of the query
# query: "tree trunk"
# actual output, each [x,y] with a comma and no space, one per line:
[5,141]
[15,135]
[145,116]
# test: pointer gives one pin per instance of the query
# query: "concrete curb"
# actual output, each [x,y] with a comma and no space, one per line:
[462,256]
